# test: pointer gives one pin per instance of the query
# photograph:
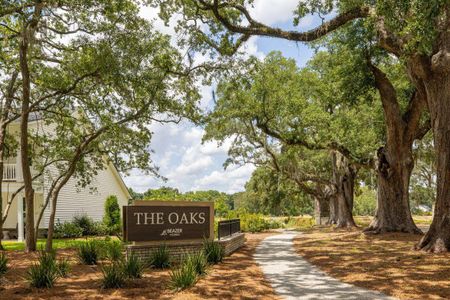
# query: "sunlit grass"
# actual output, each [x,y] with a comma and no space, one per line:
[57,243]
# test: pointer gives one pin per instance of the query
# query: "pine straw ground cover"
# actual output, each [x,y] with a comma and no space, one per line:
[237,277]
[384,262]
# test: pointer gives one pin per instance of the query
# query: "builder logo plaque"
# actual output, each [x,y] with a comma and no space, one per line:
[168,221]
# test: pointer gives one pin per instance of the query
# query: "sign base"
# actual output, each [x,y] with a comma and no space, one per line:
[180,249]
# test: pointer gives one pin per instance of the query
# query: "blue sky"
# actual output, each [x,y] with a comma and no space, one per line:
[182,158]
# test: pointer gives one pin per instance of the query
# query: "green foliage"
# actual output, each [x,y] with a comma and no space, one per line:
[163,193]
[268,192]
[111,217]
[199,261]
[284,119]
[213,251]
[300,223]
[133,267]
[89,253]
[85,223]
[417,20]
[184,276]
[103,88]
[251,222]
[135,195]
[67,230]
[100,229]
[3,263]
[365,202]
[257,223]
[63,267]
[113,251]
[81,225]
[45,273]
[423,178]
[113,276]
[160,258]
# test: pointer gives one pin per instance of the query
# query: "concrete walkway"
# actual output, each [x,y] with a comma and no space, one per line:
[292,277]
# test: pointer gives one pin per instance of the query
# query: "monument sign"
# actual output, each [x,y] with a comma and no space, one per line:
[160,221]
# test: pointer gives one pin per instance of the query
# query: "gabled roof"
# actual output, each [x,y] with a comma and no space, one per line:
[119,178]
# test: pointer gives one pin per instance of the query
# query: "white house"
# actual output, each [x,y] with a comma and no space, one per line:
[72,200]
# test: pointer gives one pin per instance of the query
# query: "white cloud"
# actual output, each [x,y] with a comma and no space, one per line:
[232,180]
[212,148]
[188,164]
[191,167]
[273,11]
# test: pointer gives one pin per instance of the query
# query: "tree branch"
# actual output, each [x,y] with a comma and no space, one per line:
[256,28]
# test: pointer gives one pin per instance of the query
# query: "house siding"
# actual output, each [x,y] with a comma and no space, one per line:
[75,200]
[72,200]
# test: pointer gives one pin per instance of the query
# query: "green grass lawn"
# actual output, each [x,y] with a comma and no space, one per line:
[364,221]
[57,243]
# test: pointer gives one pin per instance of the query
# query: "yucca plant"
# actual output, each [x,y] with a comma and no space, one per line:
[213,251]
[114,251]
[133,267]
[113,276]
[160,258]
[3,263]
[88,253]
[184,276]
[45,272]
[63,268]
[198,261]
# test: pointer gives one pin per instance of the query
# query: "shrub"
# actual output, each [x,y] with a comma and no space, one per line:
[365,202]
[301,223]
[198,261]
[133,267]
[45,273]
[213,251]
[99,229]
[160,258]
[257,223]
[113,276]
[67,230]
[88,253]
[85,223]
[111,217]
[113,250]
[63,268]
[3,263]
[184,276]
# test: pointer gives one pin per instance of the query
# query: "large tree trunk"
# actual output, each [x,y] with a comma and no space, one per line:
[321,210]
[2,139]
[394,172]
[30,242]
[51,222]
[395,160]
[437,239]
[344,179]
[333,208]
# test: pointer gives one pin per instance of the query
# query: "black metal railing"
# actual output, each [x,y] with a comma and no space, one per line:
[228,227]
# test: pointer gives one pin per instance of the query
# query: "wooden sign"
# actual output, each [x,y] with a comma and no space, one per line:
[160,221]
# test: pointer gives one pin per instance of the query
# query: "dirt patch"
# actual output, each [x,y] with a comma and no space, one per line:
[384,262]
[238,277]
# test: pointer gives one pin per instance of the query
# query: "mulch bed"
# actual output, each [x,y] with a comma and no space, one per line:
[237,277]
[385,262]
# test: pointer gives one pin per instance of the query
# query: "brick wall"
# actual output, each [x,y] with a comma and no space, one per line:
[230,244]
[176,252]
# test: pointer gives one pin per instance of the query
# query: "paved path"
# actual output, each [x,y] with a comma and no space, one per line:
[293,277]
